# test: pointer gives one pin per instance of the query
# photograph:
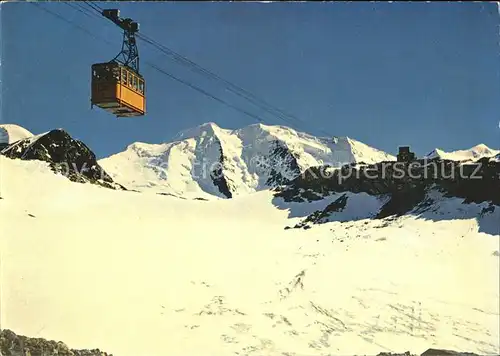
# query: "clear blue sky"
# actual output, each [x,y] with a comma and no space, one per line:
[419,74]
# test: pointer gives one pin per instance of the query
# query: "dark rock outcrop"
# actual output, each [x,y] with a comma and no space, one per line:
[65,155]
[321,216]
[438,352]
[218,177]
[430,352]
[17,345]
[283,165]
[406,184]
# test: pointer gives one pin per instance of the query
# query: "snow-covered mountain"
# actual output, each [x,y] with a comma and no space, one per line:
[10,133]
[211,161]
[471,154]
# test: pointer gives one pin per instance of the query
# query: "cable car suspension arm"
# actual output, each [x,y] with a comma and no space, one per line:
[129,55]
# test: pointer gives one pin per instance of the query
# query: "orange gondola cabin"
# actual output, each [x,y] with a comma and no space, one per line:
[117,86]
[118,90]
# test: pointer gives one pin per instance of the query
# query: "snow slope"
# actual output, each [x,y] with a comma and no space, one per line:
[251,158]
[145,275]
[471,154]
[10,133]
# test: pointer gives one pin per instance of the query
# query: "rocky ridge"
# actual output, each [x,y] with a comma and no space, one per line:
[65,155]
[12,344]
[403,186]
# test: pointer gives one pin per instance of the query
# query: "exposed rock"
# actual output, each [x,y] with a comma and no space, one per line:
[321,216]
[18,345]
[437,352]
[218,177]
[67,156]
[405,184]
[171,195]
[283,165]
[430,352]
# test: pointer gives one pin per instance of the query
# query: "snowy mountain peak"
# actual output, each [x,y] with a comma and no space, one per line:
[208,128]
[483,150]
[10,133]
[481,146]
[210,160]
[435,153]
[474,153]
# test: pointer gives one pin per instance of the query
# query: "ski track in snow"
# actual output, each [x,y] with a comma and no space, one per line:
[141,274]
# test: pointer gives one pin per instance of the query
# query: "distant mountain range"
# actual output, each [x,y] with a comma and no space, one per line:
[208,161]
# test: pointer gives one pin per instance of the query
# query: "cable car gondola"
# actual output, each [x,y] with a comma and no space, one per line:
[117,85]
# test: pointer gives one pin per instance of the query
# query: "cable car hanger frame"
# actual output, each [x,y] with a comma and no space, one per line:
[129,54]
